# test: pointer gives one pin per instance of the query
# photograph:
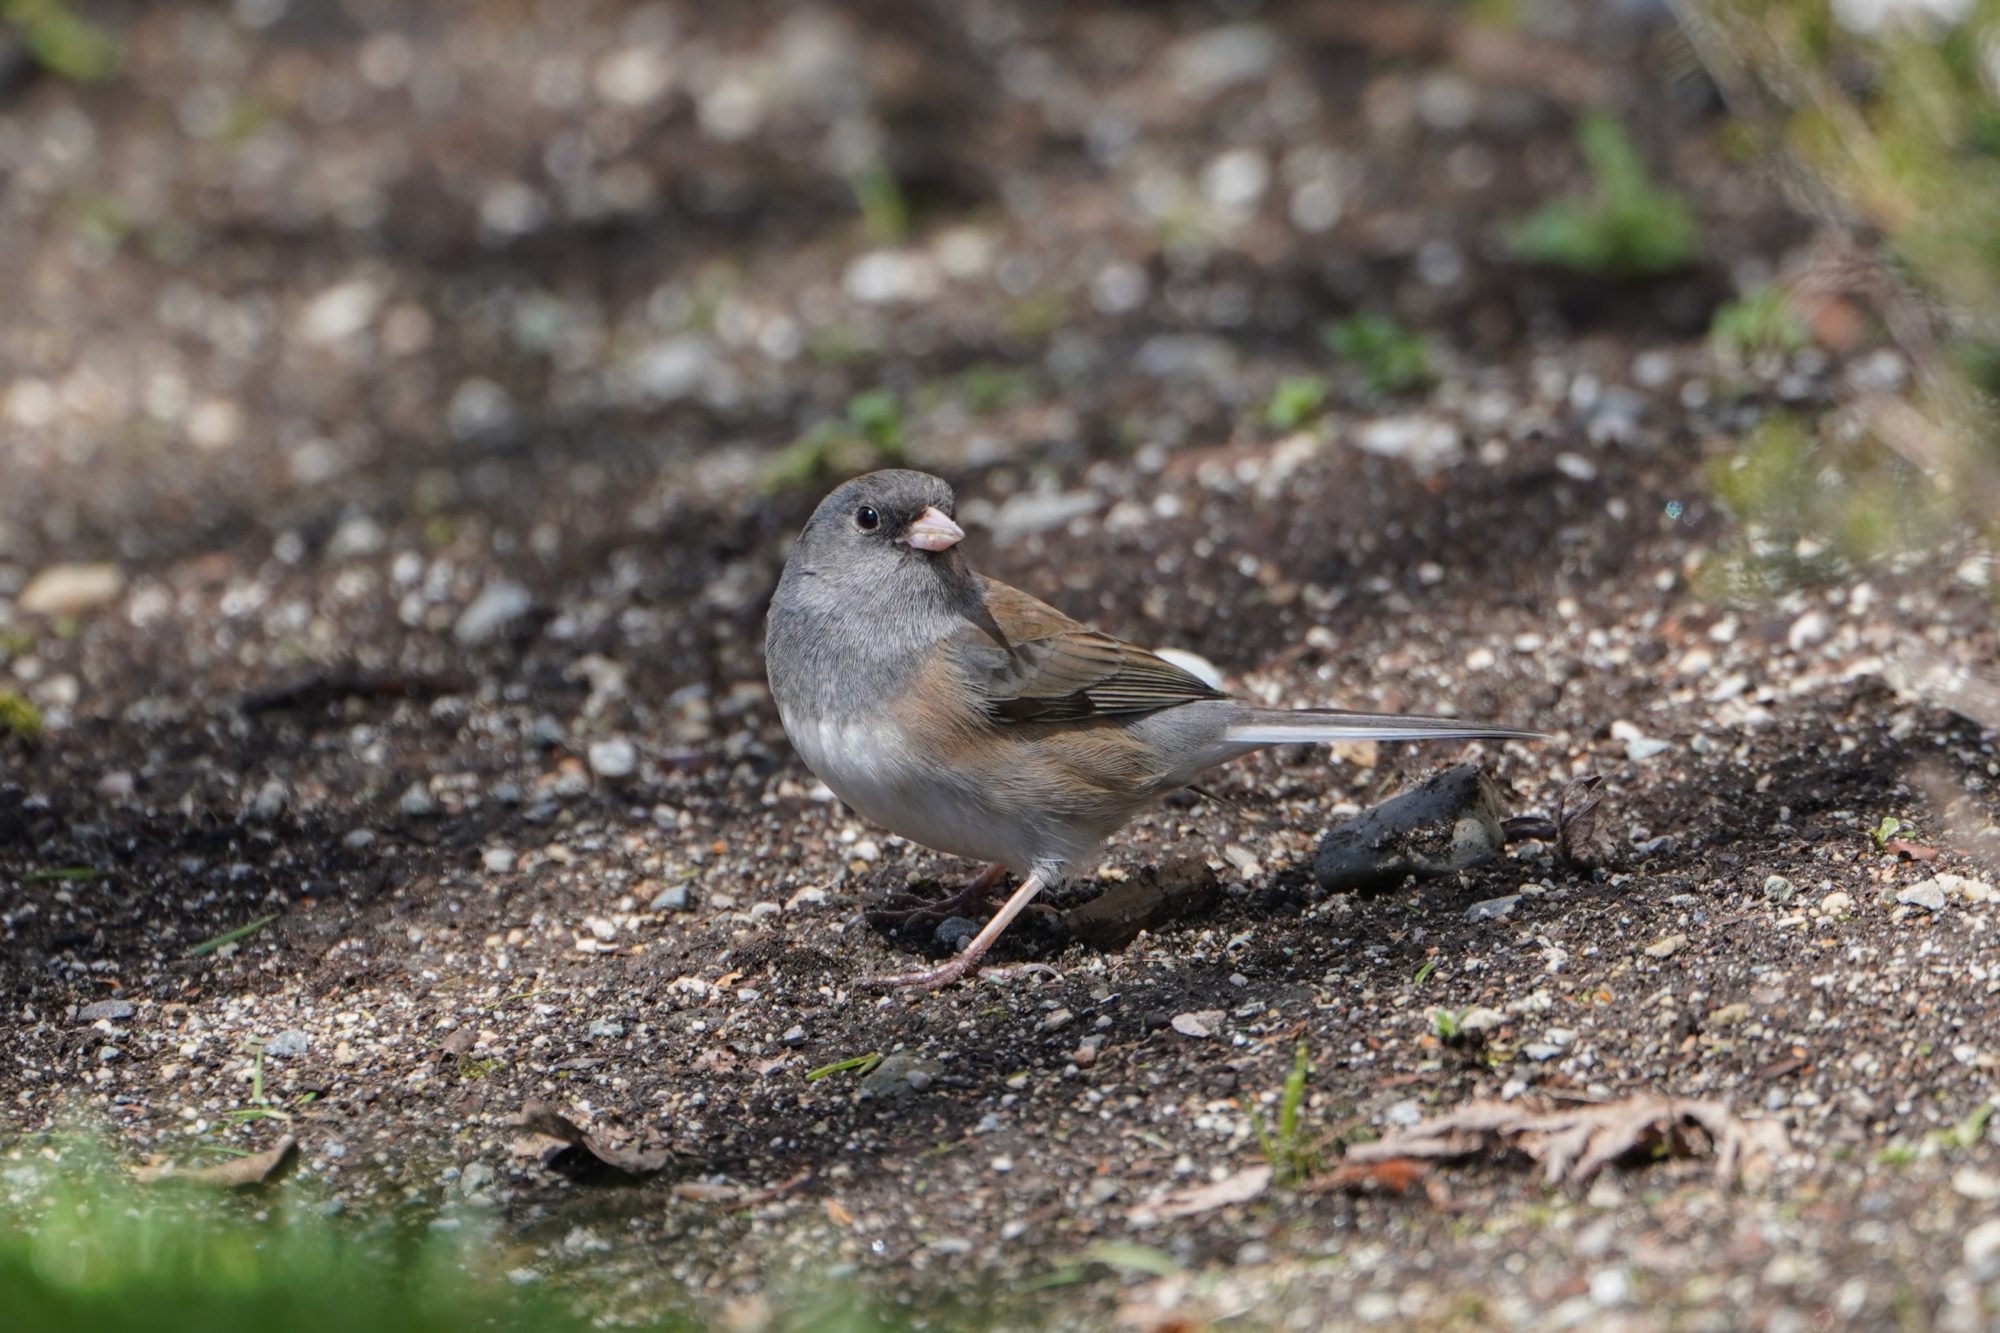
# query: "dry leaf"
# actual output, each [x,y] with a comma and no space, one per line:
[707,1191]
[458,1042]
[263,1168]
[1394,1174]
[1237,1187]
[837,1213]
[588,1157]
[1573,1143]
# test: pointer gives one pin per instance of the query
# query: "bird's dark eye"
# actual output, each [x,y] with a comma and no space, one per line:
[867,519]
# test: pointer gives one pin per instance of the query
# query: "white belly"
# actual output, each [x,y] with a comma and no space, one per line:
[875,769]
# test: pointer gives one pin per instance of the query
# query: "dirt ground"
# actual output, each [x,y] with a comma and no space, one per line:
[421,373]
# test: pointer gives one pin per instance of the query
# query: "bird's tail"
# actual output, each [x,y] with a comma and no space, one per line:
[1283,726]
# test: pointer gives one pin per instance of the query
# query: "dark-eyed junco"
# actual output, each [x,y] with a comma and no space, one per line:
[967,716]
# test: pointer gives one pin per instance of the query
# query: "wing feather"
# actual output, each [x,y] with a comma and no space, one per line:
[1031,663]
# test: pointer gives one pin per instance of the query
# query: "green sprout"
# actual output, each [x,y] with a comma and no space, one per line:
[1292,1159]
[870,435]
[1758,324]
[61,40]
[861,1064]
[1391,358]
[242,932]
[1295,402]
[1626,226]
[885,212]
[18,717]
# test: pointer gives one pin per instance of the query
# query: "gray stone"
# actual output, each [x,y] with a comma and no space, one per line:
[498,605]
[114,1010]
[1492,909]
[417,801]
[1981,1248]
[479,407]
[606,1029]
[1427,443]
[898,1075]
[670,370]
[1029,512]
[955,932]
[271,800]
[673,898]
[1481,1018]
[288,1045]
[614,759]
[1928,895]
[475,1178]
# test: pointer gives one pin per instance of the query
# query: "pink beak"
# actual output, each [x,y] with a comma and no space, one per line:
[934,531]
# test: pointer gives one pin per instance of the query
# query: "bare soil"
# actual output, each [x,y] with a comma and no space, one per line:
[328,326]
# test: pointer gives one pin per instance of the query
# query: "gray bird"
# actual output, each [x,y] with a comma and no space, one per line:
[969,717]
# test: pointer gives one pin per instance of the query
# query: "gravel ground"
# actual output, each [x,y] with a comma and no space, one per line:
[400,448]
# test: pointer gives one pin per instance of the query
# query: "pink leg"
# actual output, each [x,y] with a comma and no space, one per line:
[933,978]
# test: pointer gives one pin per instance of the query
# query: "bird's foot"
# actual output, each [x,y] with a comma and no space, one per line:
[932,978]
[900,914]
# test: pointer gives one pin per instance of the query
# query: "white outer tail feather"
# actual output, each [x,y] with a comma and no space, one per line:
[1326,726]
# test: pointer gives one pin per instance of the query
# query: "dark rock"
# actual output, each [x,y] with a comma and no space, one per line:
[1447,822]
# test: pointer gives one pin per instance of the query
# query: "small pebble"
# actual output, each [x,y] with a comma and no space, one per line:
[1928,895]
[1492,909]
[497,606]
[114,1010]
[897,1075]
[1981,1248]
[272,798]
[288,1045]
[955,932]
[417,801]
[1480,1018]
[673,898]
[614,759]
[1645,747]
[68,590]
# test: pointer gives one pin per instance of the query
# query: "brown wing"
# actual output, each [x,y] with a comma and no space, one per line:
[1031,663]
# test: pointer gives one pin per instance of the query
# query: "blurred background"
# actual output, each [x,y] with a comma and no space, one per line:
[405,409]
